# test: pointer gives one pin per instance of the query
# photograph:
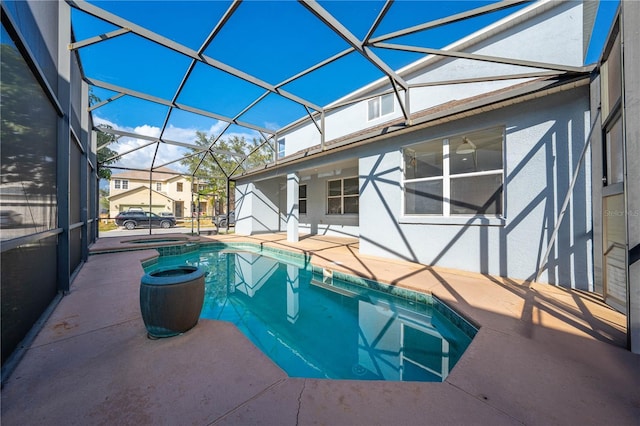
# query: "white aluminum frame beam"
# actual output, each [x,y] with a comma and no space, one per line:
[477,57]
[98,39]
[160,101]
[376,23]
[337,27]
[449,19]
[164,140]
[186,51]
[232,8]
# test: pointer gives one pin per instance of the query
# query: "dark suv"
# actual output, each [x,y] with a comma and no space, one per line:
[132,219]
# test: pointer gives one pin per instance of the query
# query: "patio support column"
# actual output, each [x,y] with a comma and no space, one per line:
[293,193]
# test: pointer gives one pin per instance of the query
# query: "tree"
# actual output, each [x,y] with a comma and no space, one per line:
[215,168]
[104,153]
[28,129]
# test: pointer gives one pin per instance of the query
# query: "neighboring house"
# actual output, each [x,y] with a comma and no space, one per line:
[170,192]
[470,174]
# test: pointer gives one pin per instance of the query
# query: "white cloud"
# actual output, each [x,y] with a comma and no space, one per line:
[141,158]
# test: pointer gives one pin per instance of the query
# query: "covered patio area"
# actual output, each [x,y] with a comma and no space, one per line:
[543,355]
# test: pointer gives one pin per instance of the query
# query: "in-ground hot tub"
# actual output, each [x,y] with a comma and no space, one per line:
[156,240]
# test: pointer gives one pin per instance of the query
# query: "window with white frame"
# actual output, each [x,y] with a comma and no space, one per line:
[125,184]
[343,196]
[379,106]
[461,175]
[117,184]
[179,186]
[302,199]
[280,148]
[158,186]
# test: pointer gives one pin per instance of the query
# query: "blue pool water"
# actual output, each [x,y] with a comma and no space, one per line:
[316,326]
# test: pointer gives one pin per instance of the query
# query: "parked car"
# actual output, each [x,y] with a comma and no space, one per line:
[221,220]
[133,219]
[167,214]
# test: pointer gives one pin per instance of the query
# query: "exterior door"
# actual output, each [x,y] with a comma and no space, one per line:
[178,209]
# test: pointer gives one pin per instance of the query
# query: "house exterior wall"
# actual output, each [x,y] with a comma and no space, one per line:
[258,206]
[534,39]
[160,202]
[544,139]
[543,142]
[141,198]
[261,206]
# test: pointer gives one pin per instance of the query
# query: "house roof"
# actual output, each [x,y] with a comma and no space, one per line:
[161,174]
[439,114]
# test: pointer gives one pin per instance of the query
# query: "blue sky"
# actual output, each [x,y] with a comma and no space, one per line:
[271,40]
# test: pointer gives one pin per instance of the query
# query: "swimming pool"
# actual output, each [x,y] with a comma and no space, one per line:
[314,325]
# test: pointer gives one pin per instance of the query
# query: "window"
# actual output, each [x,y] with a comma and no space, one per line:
[382,105]
[460,175]
[179,186]
[302,199]
[280,148]
[343,196]
[611,93]
[613,153]
[116,184]
[125,184]
[611,81]
[158,186]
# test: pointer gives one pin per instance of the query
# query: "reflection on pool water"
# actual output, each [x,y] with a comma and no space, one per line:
[315,326]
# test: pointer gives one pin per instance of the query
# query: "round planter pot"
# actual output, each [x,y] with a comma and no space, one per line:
[171,300]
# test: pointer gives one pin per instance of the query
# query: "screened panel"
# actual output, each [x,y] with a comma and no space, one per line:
[423,161]
[423,197]
[75,157]
[335,188]
[476,195]
[351,204]
[614,250]
[351,186]
[26,290]
[334,206]
[28,149]
[614,74]
[615,158]
[476,152]
[75,248]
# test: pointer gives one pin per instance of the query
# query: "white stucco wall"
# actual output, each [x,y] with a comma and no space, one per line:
[258,206]
[544,139]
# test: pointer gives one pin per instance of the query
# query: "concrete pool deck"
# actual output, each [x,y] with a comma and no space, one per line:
[543,355]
